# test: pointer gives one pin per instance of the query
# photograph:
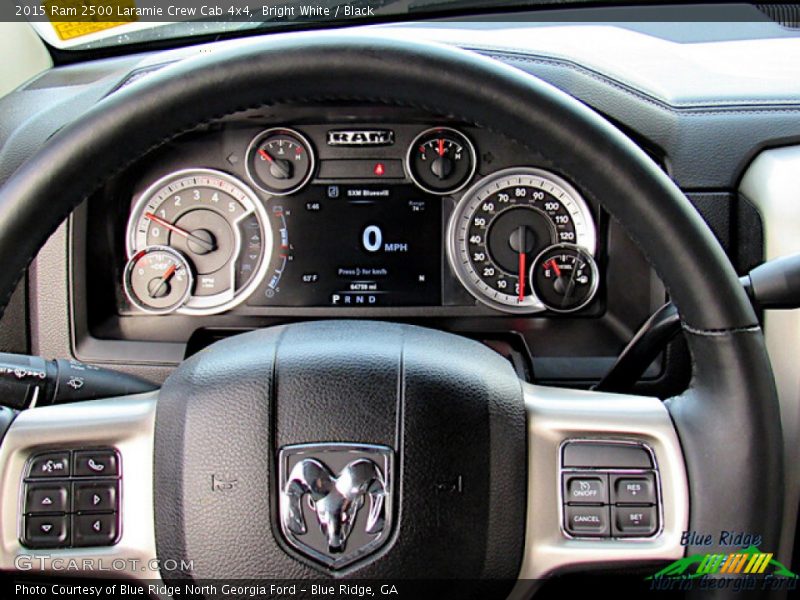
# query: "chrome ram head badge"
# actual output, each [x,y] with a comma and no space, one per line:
[323,488]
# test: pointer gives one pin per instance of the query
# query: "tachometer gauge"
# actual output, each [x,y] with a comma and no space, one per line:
[564,277]
[280,161]
[158,280]
[503,223]
[441,160]
[217,223]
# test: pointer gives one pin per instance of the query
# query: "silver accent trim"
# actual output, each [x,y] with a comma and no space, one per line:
[472,156]
[312,159]
[125,423]
[611,471]
[228,299]
[455,257]
[556,415]
[772,184]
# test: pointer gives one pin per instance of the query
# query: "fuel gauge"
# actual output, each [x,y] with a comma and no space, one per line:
[564,277]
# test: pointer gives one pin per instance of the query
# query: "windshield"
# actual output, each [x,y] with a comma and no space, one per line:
[87,24]
[91,24]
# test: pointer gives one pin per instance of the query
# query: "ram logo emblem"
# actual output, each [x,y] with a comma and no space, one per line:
[361,137]
[335,500]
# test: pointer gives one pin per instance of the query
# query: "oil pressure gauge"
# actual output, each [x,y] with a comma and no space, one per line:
[564,277]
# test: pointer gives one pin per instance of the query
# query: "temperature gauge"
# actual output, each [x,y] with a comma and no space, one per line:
[441,160]
[158,280]
[564,277]
[280,161]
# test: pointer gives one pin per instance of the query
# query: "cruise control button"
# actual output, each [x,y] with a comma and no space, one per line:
[587,521]
[52,464]
[585,488]
[94,530]
[634,521]
[95,463]
[634,490]
[97,497]
[46,532]
[46,498]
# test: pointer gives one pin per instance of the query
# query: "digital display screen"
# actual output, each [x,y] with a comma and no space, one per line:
[354,246]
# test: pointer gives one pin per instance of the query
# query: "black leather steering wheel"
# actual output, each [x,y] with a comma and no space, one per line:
[447,409]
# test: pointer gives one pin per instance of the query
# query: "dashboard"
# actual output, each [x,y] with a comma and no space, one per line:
[355,215]
[355,211]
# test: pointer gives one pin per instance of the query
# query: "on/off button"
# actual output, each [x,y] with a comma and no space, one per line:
[583,489]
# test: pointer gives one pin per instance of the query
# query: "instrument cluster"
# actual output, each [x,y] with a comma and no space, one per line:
[358,216]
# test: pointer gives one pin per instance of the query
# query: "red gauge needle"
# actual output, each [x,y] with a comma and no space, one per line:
[209,246]
[265,156]
[280,165]
[522,261]
[164,279]
[553,265]
[440,149]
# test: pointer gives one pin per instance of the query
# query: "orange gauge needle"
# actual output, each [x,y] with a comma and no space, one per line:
[164,279]
[522,261]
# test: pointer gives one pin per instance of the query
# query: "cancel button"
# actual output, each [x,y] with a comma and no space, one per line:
[586,490]
[587,520]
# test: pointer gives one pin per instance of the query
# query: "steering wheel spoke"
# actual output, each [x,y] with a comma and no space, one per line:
[76,482]
[576,460]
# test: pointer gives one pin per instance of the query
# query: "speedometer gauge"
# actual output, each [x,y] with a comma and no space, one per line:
[505,221]
[215,222]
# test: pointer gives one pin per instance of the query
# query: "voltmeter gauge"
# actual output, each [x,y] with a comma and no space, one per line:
[564,277]
[158,280]
[441,160]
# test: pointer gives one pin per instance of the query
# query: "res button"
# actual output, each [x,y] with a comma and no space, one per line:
[634,490]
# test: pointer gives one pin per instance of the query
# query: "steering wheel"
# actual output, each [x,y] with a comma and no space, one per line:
[355,450]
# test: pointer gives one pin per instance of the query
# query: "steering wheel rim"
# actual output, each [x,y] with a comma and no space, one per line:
[732,376]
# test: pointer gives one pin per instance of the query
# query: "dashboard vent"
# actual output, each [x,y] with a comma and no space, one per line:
[787,15]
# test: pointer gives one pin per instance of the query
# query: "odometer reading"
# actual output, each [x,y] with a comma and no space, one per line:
[503,223]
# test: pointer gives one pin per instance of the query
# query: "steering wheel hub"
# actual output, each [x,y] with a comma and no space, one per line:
[342,447]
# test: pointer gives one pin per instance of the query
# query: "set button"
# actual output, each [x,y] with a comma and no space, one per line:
[634,521]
